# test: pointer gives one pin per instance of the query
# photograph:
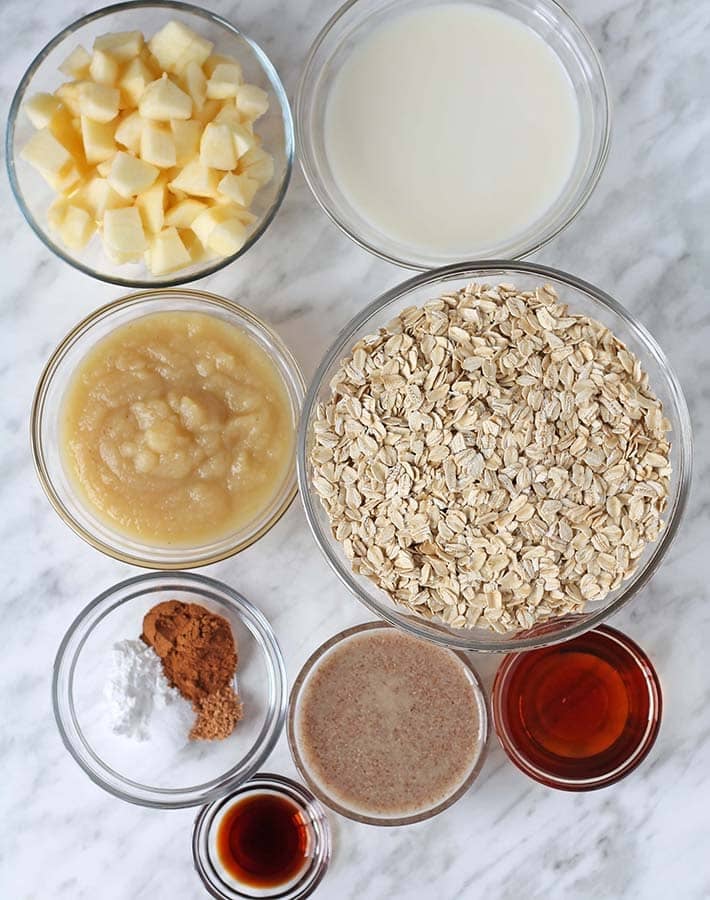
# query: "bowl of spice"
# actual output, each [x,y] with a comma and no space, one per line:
[169,690]
[494,456]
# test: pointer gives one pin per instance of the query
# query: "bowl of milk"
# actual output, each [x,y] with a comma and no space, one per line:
[432,132]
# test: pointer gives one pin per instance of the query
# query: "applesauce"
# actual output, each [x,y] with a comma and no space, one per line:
[177,429]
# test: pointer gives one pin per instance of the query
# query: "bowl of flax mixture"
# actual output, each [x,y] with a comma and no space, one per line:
[495,456]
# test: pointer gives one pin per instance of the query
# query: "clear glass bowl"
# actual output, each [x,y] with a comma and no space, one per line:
[150,773]
[300,760]
[47,409]
[581,297]
[352,23]
[318,844]
[34,195]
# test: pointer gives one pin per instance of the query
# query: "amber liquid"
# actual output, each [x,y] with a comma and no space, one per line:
[262,841]
[577,710]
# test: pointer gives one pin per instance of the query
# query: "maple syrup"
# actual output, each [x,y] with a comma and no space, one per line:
[262,840]
[581,714]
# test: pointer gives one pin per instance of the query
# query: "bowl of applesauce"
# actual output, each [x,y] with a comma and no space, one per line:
[163,428]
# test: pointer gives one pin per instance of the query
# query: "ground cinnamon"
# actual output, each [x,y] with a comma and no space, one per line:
[199,658]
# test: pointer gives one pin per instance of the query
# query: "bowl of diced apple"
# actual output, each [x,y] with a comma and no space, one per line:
[150,143]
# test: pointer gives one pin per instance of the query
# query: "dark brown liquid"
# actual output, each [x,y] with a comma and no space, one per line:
[262,841]
[577,710]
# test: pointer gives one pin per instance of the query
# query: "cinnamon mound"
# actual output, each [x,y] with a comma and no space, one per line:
[199,658]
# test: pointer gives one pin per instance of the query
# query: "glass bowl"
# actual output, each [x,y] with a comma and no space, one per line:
[310,667]
[34,195]
[47,408]
[596,702]
[315,824]
[351,24]
[153,773]
[581,297]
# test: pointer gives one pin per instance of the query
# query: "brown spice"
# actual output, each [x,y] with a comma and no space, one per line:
[199,658]
[217,715]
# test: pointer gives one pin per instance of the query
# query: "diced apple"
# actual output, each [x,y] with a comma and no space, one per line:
[195,84]
[98,196]
[136,77]
[203,224]
[151,62]
[184,213]
[167,252]
[208,112]
[45,153]
[63,127]
[151,206]
[76,227]
[252,102]
[238,188]
[186,135]
[257,164]
[217,147]
[130,176]
[243,139]
[193,245]
[103,68]
[56,212]
[197,179]
[176,45]
[123,232]
[129,130]
[98,101]
[41,108]
[217,59]
[76,65]
[104,168]
[70,95]
[162,100]
[158,146]
[227,237]
[224,81]
[99,143]
[121,45]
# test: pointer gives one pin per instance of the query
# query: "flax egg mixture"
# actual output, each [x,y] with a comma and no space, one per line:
[389,725]
[177,429]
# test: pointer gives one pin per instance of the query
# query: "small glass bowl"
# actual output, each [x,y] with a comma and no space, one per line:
[318,846]
[292,729]
[352,24]
[47,408]
[34,195]
[610,764]
[581,297]
[160,776]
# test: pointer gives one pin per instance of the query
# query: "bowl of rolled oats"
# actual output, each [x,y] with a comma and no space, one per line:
[495,456]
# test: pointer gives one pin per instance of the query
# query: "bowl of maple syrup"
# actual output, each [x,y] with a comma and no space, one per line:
[579,715]
[270,838]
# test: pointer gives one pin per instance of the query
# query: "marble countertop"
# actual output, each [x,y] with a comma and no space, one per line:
[644,237]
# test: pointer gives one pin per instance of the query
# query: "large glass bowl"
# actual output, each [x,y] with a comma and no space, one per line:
[357,19]
[46,428]
[34,195]
[581,297]
[157,772]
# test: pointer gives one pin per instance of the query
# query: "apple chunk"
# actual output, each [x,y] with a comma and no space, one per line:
[167,252]
[98,101]
[123,232]
[162,100]
[157,146]
[121,45]
[217,148]
[76,65]
[130,176]
[41,108]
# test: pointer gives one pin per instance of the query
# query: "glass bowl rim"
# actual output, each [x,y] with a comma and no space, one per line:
[385,821]
[640,752]
[80,330]
[284,786]
[103,605]
[304,143]
[477,269]
[19,95]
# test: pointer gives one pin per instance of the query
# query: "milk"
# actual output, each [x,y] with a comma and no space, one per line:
[452,128]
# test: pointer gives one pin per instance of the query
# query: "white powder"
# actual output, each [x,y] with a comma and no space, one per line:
[140,700]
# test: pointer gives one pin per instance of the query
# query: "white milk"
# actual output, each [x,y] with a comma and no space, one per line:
[452,128]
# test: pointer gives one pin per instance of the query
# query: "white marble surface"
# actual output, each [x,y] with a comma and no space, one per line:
[645,237]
